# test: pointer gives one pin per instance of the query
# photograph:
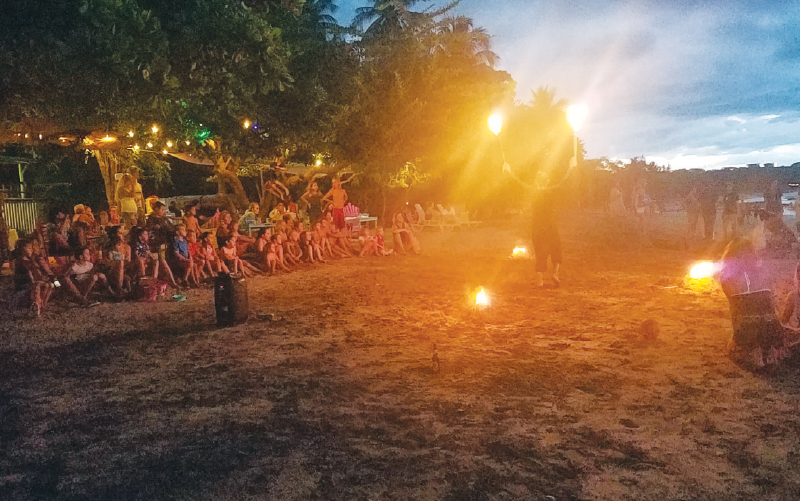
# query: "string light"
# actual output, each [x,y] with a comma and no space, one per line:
[169,144]
[135,146]
[149,145]
[40,136]
[26,136]
[246,124]
[188,143]
[130,133]
[154,129]
[165,152]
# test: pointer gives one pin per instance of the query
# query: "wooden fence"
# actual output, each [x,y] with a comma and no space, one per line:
[20,214]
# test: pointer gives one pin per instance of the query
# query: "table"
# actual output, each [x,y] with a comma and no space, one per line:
[255,228]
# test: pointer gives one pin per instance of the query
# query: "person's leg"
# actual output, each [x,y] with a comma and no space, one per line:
[72,288]
[88,286]
[555,253]
[162,263]
[539,252]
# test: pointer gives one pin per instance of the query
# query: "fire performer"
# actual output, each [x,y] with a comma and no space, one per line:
[760,338]
[545,235]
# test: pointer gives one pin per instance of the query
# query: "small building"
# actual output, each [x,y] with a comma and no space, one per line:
[769,165]
[753,166]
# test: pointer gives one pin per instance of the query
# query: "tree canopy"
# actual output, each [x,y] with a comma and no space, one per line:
[236,81]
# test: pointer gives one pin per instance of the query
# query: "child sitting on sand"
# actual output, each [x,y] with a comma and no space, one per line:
[291,251]
[273,257]
[182,259]
[315,242]
[81,278]
[211,260]
[367,241]
[232,259]
[380,243]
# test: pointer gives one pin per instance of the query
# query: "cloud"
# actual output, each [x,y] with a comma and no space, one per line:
[708,82]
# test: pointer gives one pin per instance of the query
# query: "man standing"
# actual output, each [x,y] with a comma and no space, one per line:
[730,213]
[708,207]
[338,197]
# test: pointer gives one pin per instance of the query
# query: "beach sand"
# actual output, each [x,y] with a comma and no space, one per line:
[330,391]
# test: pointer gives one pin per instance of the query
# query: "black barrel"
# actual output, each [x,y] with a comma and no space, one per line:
[230,300]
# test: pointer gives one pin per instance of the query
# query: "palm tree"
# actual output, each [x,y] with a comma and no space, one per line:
[456,37]
[384,17]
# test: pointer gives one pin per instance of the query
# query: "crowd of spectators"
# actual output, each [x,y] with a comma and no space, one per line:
[117,255]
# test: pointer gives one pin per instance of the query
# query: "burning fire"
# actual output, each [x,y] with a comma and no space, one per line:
[481,299]
[519,252]
[702,270]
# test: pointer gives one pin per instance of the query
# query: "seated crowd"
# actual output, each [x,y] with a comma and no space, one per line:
[76,257]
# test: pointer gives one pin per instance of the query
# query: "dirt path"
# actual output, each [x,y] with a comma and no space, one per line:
[546,393]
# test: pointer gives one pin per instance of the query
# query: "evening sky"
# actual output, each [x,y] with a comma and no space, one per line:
[689,83]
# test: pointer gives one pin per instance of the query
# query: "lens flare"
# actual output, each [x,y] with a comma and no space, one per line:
[702,270]
[496,123]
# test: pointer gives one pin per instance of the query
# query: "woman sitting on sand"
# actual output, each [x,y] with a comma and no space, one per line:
[759,337]
[403,235]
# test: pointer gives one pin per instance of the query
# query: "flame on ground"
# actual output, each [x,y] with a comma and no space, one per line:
[481,299]
[702,270]
[519,251]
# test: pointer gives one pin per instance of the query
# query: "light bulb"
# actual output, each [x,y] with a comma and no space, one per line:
[149,145]
[154,129]
[169,144]
[130,133]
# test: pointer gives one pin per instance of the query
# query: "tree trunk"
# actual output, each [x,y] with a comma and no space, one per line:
[228,183]
[110,164]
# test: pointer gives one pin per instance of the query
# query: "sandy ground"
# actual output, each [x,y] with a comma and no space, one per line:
[330,392]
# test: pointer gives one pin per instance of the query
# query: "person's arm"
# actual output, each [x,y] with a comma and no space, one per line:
[328,196]
[281,186]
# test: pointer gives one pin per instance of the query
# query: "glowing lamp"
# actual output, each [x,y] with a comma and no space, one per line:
[576,116]
[40,136]
[319,162]
[246,124]
[702,270]
[481,299]
[26,136]
[164,152]
[154,129]
[149,145]
[519,251]
[188,143]
[496,123]
[169,144]
[135,146]
[130,133]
